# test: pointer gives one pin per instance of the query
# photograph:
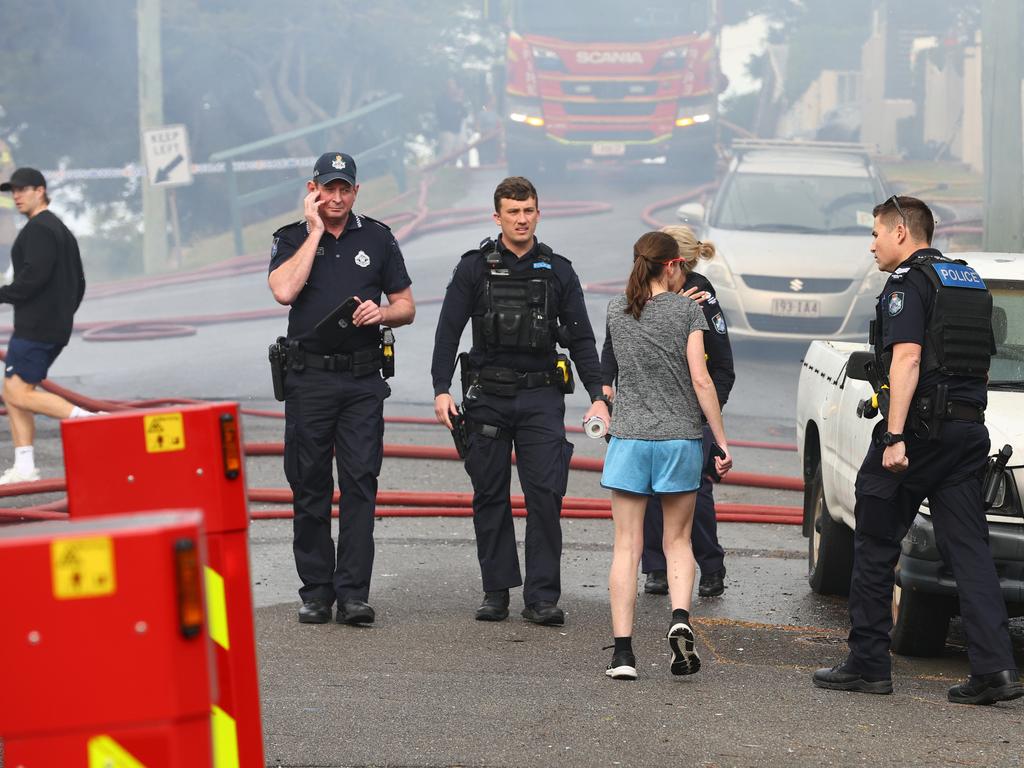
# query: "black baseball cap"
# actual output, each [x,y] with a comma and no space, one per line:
[25,177]
[335,165]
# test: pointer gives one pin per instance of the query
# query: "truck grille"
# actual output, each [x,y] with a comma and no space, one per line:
[613,108]
[605,89]
[609,135]
[782,284]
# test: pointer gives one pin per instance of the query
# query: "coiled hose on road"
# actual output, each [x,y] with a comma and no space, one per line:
[398,504]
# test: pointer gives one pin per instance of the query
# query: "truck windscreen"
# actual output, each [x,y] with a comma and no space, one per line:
[611,20]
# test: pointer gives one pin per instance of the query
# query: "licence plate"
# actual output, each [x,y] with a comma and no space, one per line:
[608,149]
[796,307]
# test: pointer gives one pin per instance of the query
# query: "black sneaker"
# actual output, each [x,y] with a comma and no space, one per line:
[355,612]
[494,607]
[623,666]
[711,584]
[657,583]
[839,678]
[545,613]
[314,612]
[685,660]
[987,689]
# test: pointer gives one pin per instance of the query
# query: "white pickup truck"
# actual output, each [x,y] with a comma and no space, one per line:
[832,441]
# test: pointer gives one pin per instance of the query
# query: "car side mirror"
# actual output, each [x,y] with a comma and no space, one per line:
[690,213]
[861,366]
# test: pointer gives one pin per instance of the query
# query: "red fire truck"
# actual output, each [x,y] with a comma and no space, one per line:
[609,79]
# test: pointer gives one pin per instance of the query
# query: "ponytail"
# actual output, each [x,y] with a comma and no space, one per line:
[650,253]
[690,248]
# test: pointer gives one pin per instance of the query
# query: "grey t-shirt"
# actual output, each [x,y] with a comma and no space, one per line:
[654,399]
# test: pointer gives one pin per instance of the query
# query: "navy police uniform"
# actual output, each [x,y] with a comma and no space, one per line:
[947,467]
[516,400]
[707,551]
[334,404]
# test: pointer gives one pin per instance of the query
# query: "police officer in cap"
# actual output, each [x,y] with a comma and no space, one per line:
[932,444]
[333,389]
[522,299]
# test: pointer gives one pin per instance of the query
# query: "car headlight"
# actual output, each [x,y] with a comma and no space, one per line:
[717,271]
[525,111]
[547,60]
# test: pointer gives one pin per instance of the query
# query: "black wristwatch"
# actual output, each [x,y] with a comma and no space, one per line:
[890,438]
[607,400]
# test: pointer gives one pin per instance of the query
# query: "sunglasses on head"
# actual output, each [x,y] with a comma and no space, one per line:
[896,202]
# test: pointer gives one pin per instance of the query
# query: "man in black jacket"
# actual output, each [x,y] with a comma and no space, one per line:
[48,286]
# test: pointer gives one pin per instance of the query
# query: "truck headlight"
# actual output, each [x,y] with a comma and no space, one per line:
[525,111]
[693,114]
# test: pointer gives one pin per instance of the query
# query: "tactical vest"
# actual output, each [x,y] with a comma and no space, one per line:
[519,307]
[958,338]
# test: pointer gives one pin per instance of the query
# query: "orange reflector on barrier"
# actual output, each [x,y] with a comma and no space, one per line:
[190,591]
[232,450]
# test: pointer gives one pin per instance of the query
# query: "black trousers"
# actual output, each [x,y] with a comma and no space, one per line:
[708,552]
[948,472]
[328,412]
[532,420]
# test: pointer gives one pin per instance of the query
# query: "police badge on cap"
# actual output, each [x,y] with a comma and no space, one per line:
[335,165]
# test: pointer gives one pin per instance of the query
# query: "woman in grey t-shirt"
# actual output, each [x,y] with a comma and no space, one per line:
[655,449]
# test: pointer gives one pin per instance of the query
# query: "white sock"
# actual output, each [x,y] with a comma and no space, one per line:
[77,412]
[24,459]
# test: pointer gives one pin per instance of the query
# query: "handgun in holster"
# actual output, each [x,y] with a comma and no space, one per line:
[278,355]
[566,382]
[870,407]
[928,413]
[387,351]
[994,470]
[459,432]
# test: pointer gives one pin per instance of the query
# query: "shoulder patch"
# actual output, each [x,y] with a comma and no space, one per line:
[895,303]
[719,323]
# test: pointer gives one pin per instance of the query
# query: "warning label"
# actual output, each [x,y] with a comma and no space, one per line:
[83,567]
[164,432]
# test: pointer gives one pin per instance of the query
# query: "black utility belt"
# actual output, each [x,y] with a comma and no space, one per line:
[505,382]
[959,411]
[362,362]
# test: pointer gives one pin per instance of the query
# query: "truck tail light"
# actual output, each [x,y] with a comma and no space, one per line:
[230,444]
[190,588]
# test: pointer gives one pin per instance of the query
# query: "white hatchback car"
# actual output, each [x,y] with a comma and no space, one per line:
[792,223]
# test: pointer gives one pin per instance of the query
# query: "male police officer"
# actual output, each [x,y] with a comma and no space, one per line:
[522,297]
[334,393]
[932,444]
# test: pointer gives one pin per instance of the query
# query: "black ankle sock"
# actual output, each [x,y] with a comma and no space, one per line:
[680,614]
[623,644]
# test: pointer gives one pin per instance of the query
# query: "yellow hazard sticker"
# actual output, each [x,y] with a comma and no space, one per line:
[104,752]
[164,432]
[217,609]
[83,567]
[225,739]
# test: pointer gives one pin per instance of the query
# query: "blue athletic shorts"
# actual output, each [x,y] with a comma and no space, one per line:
[650,467]
[31,360]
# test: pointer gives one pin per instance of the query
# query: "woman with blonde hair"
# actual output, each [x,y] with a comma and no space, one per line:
[656,439]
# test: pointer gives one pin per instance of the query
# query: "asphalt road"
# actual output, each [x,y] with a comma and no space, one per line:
[427,685]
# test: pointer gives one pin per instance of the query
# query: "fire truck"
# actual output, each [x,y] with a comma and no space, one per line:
[609,79]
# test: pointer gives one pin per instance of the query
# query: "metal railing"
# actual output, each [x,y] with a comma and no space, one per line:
[388,147]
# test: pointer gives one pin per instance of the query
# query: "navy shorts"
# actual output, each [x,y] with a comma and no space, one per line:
[30,359]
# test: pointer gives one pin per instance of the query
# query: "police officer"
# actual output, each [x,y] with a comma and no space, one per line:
[334,393]
[707,550]
[933,443]
[522,298]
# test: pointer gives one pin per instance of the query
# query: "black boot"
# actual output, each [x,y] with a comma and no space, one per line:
[839,678]
[987,689]
[494,607]
[657,583]
[712,584]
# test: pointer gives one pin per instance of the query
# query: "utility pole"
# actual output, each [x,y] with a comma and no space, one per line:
[1001,126]
[151,115]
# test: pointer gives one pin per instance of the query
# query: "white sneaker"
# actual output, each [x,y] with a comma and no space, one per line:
[14,475]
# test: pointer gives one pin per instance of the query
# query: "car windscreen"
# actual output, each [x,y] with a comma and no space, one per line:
[768,202]
[1007,370]
[611,20]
